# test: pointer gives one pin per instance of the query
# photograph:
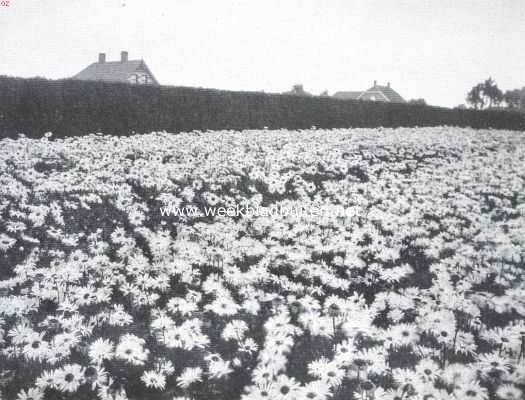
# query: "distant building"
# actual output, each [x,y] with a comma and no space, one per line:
[130,71]
[298,90]
[347,95]
[375,93]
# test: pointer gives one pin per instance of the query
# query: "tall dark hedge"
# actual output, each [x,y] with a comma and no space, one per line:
[71,107]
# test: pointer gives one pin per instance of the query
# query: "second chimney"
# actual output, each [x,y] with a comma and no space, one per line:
[101,58]
[375,83]
[123,56]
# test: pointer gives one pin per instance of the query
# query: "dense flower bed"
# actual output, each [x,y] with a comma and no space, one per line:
[417,293]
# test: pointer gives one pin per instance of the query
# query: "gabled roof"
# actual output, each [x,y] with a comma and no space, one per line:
[347,95]
[390,94]
[113,71]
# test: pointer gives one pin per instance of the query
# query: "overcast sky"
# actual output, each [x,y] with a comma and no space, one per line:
[434,49]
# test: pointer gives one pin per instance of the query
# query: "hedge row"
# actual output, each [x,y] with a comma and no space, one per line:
[71,107]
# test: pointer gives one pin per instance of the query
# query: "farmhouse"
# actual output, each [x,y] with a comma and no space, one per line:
[375,93]
[130,71]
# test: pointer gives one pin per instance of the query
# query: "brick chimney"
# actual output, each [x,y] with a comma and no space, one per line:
[123,56]
[101,58]
[388,84]
[375,83]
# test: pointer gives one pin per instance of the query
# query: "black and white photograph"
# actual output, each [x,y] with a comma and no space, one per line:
[262,200]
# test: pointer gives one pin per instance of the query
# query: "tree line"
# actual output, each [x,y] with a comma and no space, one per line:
[487,95]
[72,107]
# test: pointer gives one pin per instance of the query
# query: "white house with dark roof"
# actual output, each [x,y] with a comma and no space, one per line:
[125,70]
[375,93]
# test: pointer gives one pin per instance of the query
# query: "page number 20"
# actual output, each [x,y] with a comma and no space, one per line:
[5,3]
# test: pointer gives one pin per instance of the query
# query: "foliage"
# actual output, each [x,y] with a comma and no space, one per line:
[484,94]
[475,96]
[515,99]
[72,108]
[512,98]
[492,93]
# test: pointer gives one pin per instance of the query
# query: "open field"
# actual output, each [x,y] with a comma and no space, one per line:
[416,291]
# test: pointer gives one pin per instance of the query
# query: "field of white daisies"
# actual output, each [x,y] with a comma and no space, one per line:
[418,292]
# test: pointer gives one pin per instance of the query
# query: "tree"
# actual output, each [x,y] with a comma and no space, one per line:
[421,102]
[513,98]
[475,96]
[298,90]
[486,93]
[492,92]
